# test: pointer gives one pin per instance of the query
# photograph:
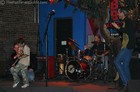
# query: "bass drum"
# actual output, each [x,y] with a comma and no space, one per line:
[75,70]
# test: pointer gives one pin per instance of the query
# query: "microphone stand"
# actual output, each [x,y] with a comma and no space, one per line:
[46,39]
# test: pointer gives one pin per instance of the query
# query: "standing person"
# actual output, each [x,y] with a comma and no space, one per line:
[123,58]
[23,54]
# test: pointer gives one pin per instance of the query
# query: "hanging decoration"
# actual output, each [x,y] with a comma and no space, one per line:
[54,1]
[51,1]
[114,10]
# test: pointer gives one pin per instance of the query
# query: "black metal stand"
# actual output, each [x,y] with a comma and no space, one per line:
[60,71]
[60,66]
[46,40]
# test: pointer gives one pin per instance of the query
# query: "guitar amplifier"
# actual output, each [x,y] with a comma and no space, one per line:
[135,68]
[50,68]
[133,86]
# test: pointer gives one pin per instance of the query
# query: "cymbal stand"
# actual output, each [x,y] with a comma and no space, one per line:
[60,68]
[67,52]
[105,66]
[61,65]
[79,54]
[99,71]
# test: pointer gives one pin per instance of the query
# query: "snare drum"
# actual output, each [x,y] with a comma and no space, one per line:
[77,70]
[88,54]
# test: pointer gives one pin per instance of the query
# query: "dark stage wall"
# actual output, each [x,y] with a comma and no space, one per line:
[16,20]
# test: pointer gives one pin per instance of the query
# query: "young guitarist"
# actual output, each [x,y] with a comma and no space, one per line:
[23,54]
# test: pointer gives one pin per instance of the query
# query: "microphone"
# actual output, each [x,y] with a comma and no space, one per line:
[52,12]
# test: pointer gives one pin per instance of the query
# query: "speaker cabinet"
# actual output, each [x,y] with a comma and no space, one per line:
[135,68]
[43,67]
[134,86]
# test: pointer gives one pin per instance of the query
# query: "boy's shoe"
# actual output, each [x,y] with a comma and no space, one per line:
[25,86]
[15,84]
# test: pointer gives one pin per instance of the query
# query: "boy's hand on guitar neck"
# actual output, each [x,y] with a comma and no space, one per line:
[20,56]
[16,56]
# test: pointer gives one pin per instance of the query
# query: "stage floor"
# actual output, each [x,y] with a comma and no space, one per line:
[60,86]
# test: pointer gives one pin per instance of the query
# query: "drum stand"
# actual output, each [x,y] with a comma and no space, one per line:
[104,71]
[98,70]
[60,66]
[60,70]
[92,76]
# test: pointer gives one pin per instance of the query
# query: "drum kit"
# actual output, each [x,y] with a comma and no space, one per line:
[82,66]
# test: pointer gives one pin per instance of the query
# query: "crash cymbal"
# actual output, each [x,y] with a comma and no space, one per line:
[73,46]
[73,41]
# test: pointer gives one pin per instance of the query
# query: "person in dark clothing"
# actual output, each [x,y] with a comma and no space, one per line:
[100,50]
[123,58]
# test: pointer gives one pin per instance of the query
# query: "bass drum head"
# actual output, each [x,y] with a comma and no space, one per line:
[77,70]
